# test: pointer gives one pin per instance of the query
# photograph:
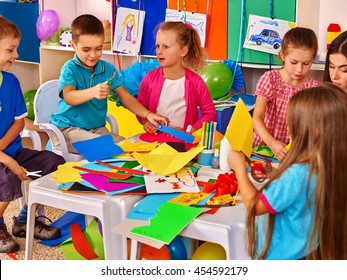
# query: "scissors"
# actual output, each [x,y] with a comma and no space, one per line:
[258,169]
[109,81]
[33,173]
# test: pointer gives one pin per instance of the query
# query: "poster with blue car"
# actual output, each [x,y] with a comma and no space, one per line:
[265,34]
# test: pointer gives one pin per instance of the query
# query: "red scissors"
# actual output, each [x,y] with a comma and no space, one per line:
[259,169]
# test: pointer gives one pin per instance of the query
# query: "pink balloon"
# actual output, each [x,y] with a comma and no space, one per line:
[47,23]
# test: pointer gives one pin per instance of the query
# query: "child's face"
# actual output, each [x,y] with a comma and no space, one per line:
[8,52]
[89,49]
[297,64]
[338,70]
[168,51]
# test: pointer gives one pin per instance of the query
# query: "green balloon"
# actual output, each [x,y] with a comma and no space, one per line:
[218,78]
[29,102]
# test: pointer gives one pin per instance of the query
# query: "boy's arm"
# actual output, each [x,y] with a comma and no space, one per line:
[75,97]
[12,133]
[132,104]
[277,147]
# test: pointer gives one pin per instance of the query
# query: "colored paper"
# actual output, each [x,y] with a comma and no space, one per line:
[63,223]
[158,138]
[149,205]
[80,243]
[138,146]
[189,198]
[184,136]
[67,173]
[94,238]
[181,181]
[165,160]
[98,148]
[170,220]
[240,129]
[102,183]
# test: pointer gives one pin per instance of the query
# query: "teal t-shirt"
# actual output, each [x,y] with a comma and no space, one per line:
[91,114]
[292,201]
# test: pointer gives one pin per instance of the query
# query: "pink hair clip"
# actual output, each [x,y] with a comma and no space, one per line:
[188,25]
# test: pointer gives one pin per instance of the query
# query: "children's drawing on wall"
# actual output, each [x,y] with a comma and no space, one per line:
[196,20]
[265,34]
[128,30]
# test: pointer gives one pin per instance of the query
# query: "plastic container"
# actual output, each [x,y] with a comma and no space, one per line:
[225,149]
[215,159]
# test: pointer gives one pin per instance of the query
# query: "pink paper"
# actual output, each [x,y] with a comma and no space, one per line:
[102,183]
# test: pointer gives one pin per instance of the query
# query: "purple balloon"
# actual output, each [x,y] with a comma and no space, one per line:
[47,23]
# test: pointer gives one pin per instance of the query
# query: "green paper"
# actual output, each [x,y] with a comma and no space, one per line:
[263,151]
[133,179]
[282,9]
[94,238]
[170,220]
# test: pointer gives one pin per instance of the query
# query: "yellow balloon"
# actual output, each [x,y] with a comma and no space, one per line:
[209,251]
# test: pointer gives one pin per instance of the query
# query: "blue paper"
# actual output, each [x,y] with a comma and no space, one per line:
[98,148]
[63,223]
[186,137]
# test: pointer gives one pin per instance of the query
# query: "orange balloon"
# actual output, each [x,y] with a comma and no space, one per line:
[150,253]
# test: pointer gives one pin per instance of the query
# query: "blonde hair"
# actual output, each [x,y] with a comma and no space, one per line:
[8,28]
[126,19]
[316,119]
[187,36]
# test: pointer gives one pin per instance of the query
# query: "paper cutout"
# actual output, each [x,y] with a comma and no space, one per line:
[124,227]
[149,205]
[184,136]
[94,238]
[170,220]
[80,243]
[63,223]
[139,146]
[66,173]
[101,183]
[158,138]
[240,129]
[165,160]
[189,198]
[98,148]
[125,169]
[104,173]
[181,181]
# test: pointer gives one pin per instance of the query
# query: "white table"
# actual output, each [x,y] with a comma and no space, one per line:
[110,210]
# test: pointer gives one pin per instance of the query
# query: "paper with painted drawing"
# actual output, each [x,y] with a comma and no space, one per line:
[240,129]
[180,181]
[165,160]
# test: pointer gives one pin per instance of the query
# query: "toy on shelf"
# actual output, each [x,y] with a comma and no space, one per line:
[65,38]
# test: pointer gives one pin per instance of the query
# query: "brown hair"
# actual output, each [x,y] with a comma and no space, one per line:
[316,119]
[86,25]
[338,45]
[187,36]
[300,37]
[8,28]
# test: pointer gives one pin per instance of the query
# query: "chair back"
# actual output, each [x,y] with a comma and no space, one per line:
[46,101]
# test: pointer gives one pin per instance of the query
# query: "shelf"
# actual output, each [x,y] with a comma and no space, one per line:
[315,66]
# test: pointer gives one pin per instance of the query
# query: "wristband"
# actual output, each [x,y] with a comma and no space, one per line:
[147,114]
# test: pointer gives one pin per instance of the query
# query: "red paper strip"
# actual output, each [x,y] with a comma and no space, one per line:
[104,173]
[80,242]
[129,170]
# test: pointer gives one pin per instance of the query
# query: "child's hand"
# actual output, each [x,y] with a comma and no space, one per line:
[101,91]
[156,119]
[237,161]
[279,149]
[149,128]
[16,168]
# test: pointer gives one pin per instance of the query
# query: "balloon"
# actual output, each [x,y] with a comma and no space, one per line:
[29,102]
[209,251]
[177,249]
[47,23]
[218,78]
[150,253]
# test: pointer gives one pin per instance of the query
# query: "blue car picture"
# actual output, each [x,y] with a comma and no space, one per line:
[267,36]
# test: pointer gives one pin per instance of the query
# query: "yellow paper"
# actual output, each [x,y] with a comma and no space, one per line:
[66,173]
[129,147]
[189,198]
[165,160]
[240,129]
[222,199]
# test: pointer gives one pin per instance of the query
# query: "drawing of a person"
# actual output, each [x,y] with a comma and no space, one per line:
[129,25]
